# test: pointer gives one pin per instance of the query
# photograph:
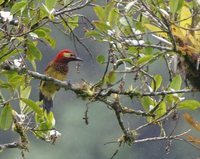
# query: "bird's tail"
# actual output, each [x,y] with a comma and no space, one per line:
[47,102]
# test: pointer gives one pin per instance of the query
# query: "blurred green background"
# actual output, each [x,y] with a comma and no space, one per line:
[79,140]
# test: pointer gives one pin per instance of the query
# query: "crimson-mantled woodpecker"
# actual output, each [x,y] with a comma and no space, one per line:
[58,69]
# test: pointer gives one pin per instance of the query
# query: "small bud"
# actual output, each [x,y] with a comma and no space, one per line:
[53,136]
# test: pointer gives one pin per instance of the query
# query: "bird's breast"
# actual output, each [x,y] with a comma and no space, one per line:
[57,71]
[48,88]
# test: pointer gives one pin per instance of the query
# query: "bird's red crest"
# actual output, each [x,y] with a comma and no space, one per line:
[65,56]
[62,53]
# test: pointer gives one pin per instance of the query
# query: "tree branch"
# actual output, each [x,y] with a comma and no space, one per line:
[75,88]
[176,137]
[11,145]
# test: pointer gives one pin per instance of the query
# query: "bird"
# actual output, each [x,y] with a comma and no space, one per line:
[58,69]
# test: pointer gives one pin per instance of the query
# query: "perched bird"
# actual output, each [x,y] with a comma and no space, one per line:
[58,69]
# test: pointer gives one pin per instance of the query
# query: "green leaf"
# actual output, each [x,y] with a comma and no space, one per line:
[148,50]
[110,78]
[99,11]
[18,6]
[66,2]
[176,82]
[33,50]
[147,102]
[5,53]
[175,5]
[1,99]
[6,117]
[40,33]
[156,29]
[50,4]
[32,60]
[113,17]
[50,41]
[161,110]
[102,26]
[36,108]
[24,93]
[72,22]
[92,33]
[44,33]
[101,59]
[189,104]
[133,50]
[108,8]
[128,60]
[15,81]
[48,11]
[125,21]
[185,17]
[144,59]
[50,120]
[173,98]
[158,81]
[2,1]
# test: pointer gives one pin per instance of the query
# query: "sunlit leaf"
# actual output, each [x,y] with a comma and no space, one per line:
[156,30]
[36,108]
[175,5]
[102,26]
[125,21]
[158,81]
[50,4]
[185,17]
[110,5]
[40,33]
[33,50]
[144,59]
[50,120]
[6,117]
[176,82]
[15,81]
[51,41]
[2,1]
[18,6]
[101,59]
[189,104]
[73,22]
[179,32]
[110,77]
[113,17]
[24,93]
[48,12]
[92,33]
[161,110]
[5,53]
[99,11]
[147,102]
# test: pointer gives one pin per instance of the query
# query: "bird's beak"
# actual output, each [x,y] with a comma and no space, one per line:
[78,59]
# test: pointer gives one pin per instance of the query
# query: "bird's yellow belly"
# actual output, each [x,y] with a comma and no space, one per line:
[48,88]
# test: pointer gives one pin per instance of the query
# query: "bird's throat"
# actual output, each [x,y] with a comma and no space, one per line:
[61,67]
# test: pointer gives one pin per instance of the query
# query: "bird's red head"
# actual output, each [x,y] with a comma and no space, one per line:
[66,56]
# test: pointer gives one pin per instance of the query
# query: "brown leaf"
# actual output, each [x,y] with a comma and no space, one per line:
[193,139]
[191,121]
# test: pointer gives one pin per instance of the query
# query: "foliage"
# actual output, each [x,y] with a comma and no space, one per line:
[139,33]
